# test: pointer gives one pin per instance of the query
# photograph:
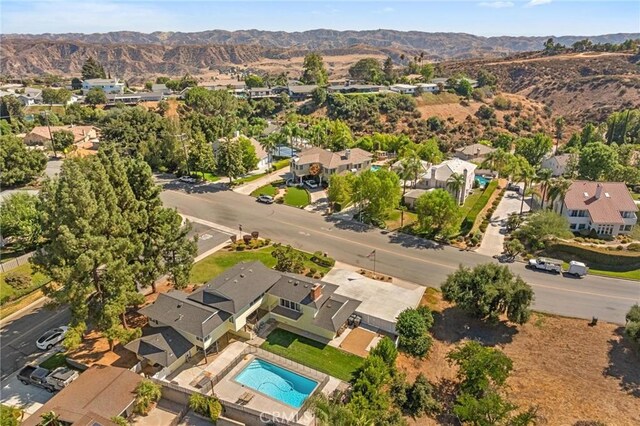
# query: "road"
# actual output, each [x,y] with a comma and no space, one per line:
[18,335]
[398,255]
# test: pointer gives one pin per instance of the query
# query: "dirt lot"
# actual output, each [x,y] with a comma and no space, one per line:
[571,371]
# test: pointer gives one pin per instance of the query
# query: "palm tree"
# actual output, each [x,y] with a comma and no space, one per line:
[269,144]
[544,178]
[455,183]
[558,189]
[559,126]
[50,419]
[497,161]
[526,174]
[411,166]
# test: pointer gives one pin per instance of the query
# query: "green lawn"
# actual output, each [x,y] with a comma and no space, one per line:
[281,164]
[265,190]
[393,221]
[324,358]
[297,197]
[213,265]
[475,206]
[636,196]
[248,179]
[55,361]
[9,293]
[209,177]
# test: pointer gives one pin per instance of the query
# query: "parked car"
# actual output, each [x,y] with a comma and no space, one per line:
[577,269]
[267,199]
[513,187]
[546,264]
[37,376]
[188,179]
[311,184]
[62,377]
[51,338]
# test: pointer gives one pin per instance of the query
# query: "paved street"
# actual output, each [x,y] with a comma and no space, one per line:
[399,255]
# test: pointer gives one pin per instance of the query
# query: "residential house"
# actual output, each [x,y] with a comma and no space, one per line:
[405,89]
[134,98]
[99,394]
[559,164]
[301,92]
[30,96]
[355,88]
[320,164]
[476,152]
[604,207]
[231,304]
[107,85]
[438,175]
[428,87]
[410,197]
[161,88]
[261,92]
[84,136]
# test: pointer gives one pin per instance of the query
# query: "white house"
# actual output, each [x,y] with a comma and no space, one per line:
[428,87]
[105,84]
[558,164]
[438,175]
[30,96]
[605,207]
[405,89]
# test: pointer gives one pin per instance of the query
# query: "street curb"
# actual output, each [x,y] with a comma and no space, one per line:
[20,311]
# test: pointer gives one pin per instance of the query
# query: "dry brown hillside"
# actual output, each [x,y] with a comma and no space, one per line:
[581,87]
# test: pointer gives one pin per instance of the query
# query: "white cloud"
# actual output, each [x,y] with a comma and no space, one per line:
[537,3]
[496,4]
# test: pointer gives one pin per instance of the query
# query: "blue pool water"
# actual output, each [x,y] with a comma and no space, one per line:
[276,382]
[481,180]
[375,168]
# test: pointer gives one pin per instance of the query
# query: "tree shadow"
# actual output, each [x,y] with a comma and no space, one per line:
[453,325]
[343,223]
[445,392]
[624,364]
[196,188]
[411,241]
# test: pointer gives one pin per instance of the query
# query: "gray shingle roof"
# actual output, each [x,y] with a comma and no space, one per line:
[297,288]
[236,287]
[163,345]
[174,309]
[335,311]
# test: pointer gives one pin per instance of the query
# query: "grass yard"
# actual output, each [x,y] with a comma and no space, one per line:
[8,293]
[297,197]
[265,190]
[55,361]
[475,206]
[248,179]
[213,265]
[209,177]
[393,221]
[636,196]
[440,98]
[324,358]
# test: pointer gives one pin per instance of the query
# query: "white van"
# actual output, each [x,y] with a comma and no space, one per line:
[577,269]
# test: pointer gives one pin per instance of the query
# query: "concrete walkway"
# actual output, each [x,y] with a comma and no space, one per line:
[249,187]
[493,240]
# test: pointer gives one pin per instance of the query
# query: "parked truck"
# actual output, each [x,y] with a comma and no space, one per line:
[546,264]
[37,376]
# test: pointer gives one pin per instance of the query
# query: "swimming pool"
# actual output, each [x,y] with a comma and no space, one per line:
[481,180]
[375,168]
[276,382]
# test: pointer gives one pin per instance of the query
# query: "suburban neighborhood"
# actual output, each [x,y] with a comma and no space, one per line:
[355,228]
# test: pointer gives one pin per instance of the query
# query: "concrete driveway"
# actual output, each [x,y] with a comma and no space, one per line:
[249,187]
[29,398]
[493,240]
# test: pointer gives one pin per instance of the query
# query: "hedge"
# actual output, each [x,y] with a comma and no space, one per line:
[596,257]
[469,220]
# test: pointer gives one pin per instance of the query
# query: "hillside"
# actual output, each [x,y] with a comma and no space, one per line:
[580,87]
[435,45]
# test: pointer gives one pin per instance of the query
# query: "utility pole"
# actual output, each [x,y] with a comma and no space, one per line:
[53,146]
[181,136]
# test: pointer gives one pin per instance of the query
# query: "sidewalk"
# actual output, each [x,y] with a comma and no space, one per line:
[249,187]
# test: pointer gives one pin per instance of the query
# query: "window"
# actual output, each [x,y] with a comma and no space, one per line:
[626,228]
[573,226]
[628,215]
[604,229]
[578,213]
[290,305]
[582,226]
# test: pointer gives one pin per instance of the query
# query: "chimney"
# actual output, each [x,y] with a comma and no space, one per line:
[347,153]
[236,133]
[598,191]
[316,292]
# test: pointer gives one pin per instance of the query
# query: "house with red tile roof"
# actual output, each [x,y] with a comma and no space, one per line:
[605,207]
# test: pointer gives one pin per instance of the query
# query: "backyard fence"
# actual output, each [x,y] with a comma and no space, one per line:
[15,262]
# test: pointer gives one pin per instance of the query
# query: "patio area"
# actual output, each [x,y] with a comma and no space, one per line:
[357,341]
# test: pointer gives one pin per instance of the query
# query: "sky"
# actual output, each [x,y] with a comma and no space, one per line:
[480,17]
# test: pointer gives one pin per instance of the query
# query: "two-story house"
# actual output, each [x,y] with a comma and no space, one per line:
[83,136]
[319,164]
[107,85]
[476,152]
[605,207]
[438,176]
[229,305]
